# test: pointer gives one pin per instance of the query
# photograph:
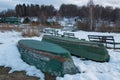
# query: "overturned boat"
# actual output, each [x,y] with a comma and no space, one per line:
[81,48]
[48,57]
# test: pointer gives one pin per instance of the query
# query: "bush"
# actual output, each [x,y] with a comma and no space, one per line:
[8,27]
[30,32]
[26,20]
[83,26]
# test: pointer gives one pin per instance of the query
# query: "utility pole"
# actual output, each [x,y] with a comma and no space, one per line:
[91,4]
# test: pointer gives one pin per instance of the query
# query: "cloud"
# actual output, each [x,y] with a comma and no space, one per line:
[114,3]
[5,4]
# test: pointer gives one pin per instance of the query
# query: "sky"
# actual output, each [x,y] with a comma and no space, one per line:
[10,4]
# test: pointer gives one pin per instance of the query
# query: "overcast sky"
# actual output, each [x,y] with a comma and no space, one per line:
[10,4]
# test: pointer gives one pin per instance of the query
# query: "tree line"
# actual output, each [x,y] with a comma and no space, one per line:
[66,10]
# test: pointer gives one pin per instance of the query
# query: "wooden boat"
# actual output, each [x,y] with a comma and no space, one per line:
[48,57]
[81,48]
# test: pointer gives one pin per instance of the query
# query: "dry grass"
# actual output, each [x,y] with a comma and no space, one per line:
[20,75]
[17,75]
[49,77]
[106,28]
[9,27]
[35,24]
[31,31]
[30,34]
[83,26]
[28,31]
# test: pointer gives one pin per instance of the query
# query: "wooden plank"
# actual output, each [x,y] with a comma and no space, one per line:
[69,34]
[103,39]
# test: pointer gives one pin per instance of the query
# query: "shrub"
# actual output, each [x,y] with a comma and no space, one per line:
[9,27]
[30,32]
[26,20]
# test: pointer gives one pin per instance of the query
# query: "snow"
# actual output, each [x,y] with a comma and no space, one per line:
[90,70]
[10,57]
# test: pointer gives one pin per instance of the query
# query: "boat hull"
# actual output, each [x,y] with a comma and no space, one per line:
[47,60]
[81,48]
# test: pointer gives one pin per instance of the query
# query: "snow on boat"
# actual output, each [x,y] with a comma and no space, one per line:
[48,57]
[81,48]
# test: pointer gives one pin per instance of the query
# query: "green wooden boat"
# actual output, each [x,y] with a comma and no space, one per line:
[81,48]
[47,57]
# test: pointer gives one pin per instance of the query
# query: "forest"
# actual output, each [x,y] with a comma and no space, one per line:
[100,14]
[66,10]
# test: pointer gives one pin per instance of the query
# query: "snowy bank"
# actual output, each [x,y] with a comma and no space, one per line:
[90,70]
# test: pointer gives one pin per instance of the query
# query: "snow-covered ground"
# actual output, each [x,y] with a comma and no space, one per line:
[90,70]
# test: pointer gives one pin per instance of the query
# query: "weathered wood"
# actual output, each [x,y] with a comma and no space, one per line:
[47,54]
[47,57]
[90,50]
[69,34]
[103,39]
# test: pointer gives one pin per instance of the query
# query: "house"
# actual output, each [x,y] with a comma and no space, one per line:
[1,20]
[12,20]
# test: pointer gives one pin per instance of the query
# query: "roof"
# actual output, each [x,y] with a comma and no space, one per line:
[12,19]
